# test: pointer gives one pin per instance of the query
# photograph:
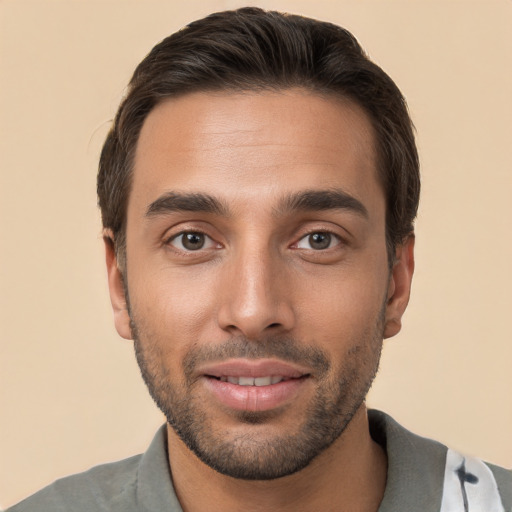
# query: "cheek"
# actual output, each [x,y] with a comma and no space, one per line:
[343,308]
[173,308]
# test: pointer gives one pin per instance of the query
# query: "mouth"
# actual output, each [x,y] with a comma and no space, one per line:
[253,381]
[254,385]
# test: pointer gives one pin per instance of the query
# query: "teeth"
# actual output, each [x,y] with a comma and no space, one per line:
[262,381]
[253,381]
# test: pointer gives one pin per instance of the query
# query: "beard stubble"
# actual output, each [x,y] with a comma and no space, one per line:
[339,395]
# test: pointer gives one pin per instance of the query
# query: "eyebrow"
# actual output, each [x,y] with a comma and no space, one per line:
[304,201]
[178,202]
[320,200]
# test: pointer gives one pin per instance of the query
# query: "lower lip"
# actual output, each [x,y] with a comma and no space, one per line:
[254,398]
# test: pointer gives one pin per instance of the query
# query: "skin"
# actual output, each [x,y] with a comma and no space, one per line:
[259,277]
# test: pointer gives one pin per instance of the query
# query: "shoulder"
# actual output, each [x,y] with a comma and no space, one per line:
[107,487]
[142,482]
[424,471]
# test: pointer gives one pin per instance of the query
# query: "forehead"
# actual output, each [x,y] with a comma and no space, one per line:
[251,146]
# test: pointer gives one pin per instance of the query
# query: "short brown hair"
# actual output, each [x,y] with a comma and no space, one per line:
[253,49]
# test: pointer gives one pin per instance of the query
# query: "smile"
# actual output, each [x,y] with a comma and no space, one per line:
[254,385]
[253,381]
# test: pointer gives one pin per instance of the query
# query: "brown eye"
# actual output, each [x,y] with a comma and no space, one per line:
[318,241]
[191,241]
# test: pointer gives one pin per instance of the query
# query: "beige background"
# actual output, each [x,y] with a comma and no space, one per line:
[70,392]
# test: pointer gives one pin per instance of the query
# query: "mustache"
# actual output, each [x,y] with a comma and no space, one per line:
[279,347]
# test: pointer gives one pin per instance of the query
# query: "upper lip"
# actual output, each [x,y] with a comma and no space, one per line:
[253,368]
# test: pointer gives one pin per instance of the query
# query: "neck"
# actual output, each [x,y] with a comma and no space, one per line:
[350,475]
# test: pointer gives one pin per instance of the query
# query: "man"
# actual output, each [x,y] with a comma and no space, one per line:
[258,190]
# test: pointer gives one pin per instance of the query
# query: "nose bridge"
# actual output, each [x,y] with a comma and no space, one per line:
[256,275]
[253,300]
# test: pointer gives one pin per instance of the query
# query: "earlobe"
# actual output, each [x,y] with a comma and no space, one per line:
[399,287]
[116,288]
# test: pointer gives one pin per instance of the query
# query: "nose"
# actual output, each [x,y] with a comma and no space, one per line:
[255,299]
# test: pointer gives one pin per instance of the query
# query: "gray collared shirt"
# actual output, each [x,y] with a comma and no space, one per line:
[415,480]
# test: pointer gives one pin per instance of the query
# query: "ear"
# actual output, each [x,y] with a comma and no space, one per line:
[399,288]
[116,288]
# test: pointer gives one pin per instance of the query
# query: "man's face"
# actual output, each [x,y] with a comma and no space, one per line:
[257,274]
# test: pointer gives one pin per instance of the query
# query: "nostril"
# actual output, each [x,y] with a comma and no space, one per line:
[274,325]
